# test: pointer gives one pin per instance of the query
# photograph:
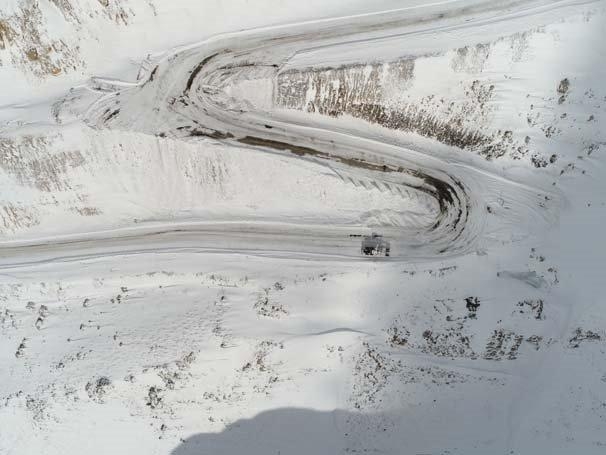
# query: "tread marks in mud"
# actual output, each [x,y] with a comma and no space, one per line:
[196,71]
[111,114]
[212,134]
[152,75]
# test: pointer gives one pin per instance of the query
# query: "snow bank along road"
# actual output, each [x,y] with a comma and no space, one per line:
[234,89]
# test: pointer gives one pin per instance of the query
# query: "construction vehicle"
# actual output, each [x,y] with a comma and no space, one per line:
[375,245]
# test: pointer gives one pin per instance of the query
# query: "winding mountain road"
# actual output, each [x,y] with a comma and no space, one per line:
[186,96]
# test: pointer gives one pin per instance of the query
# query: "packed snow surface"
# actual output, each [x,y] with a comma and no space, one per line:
[185,188]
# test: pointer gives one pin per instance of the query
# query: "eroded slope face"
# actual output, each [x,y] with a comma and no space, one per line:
[377,94]
[43,40]
[461,97]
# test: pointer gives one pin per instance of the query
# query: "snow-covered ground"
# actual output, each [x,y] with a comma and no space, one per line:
[183,187]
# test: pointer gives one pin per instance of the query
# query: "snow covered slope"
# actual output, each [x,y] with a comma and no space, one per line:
[183,191]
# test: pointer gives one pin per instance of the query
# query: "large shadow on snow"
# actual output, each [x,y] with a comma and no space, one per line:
[288,431]
[468,427]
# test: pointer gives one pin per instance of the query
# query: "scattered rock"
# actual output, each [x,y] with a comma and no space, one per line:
[503,344]
[37,407]
[186,361]
[535,340]
[97,388]
[153,399]
[371,371]
[562,90]
[581,335]
[21,349]
[534,305]
[451,342]
[472,304]
[538,161]
[397,336]
[268,308]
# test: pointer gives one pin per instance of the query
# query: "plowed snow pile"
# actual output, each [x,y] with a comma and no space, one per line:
[185,188]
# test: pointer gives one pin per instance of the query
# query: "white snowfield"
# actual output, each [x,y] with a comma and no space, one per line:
[184,189]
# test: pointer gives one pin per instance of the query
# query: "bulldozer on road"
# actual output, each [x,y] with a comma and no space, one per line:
[375,245]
